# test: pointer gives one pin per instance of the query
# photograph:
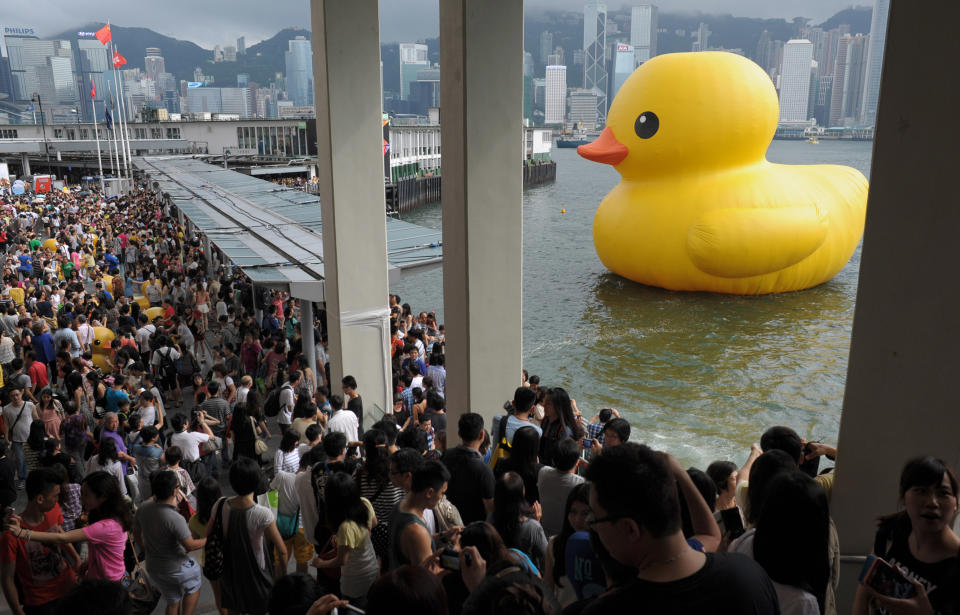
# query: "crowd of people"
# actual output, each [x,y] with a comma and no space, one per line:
[164,432]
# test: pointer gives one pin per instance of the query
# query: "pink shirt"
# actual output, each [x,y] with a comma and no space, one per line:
[107,541]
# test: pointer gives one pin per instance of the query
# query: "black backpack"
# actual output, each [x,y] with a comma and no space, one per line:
[168,368]
[271,405]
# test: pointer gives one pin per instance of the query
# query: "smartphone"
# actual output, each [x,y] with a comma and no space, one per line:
[450,559]
[885,579]
[587,443]
[732,522]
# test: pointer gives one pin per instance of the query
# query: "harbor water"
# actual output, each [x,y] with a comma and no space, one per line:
[696,374]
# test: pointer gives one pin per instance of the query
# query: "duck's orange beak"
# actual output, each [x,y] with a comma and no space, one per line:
[606,149]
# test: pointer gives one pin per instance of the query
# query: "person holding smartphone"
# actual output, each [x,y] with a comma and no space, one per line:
[920,542]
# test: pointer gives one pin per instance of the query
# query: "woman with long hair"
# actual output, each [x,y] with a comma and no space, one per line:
[791,542]
[559,422]
[108,460]
[921,541]
[109,520]
[575,517]
[351,517]
[243,428]
[514,520]
[524,460]
[375,485]
[36,443]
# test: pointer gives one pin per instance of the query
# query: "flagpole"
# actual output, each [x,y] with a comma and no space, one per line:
[103,189]
[123,126]
[116,83]
[113,127]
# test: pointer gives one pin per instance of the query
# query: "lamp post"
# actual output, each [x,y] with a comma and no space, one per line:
[43,125]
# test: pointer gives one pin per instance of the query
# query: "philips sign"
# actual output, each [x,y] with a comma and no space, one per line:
[14,31]
[86,34]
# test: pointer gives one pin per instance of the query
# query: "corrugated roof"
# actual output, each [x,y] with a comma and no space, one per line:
[273,233]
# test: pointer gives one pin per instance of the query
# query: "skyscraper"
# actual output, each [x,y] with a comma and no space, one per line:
[878,39]
[855,78]
[624,61]
[299,73]
[528,64]
[555,100]
[93,64]
[643,32]
[594,54]
[546,45]
[839,75]
[153,63]
[795,80]
[413,59]
[703,38]
[241,45]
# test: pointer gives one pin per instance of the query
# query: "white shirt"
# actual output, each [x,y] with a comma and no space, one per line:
[287,402]
[344,421]
[149,415]
[189,442]
[417,382]
[85,333]
[21,431]
[308,505]
[242,394]
[143,337]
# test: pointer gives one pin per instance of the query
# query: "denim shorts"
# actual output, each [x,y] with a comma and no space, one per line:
[173,586]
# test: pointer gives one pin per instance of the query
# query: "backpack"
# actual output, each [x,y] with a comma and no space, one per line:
[503,445]
[74,431]
[188,365]
[319,474]
[271,405]
[167,367]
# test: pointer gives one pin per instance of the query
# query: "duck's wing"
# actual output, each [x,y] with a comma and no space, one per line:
[745,242]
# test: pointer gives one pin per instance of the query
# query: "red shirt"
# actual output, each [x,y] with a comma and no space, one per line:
[43,572]
[38,374]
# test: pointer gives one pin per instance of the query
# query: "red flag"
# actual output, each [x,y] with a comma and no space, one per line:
[93,88]
[103,34]
[118,60]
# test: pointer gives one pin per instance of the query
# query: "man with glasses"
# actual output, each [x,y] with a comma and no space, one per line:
[636,514]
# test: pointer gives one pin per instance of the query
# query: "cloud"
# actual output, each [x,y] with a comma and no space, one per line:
[220,22]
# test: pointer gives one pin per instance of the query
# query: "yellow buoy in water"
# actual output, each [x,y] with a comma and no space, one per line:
[563,211]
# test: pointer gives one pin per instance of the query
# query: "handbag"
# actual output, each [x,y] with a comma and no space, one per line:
[211,445]
[288,525]
[137,585]
[213,549]
[329,551]
[259,446]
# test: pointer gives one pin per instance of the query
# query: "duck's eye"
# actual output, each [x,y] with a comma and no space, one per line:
[647,124]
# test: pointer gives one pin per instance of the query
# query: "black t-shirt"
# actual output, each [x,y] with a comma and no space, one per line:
[729,583]
[940,579]
[355,405]
[471,481]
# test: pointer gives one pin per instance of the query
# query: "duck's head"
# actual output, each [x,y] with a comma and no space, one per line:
[688,112]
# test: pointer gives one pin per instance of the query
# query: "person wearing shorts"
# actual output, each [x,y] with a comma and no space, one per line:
[165,536]
[288,518]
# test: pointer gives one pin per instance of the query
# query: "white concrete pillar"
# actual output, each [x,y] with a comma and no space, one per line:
[481,84]
[306,334]
[346,66]
[25,163]
[901,395]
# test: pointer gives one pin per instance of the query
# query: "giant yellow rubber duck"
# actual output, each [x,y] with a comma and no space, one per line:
[698,206]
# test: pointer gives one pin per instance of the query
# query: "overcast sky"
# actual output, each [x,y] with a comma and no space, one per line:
[211,22]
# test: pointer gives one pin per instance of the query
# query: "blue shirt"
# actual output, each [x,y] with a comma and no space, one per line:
[583,567]
[112,262]
[113,398]
[26,261]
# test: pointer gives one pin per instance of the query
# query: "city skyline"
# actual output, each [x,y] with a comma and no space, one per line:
[409,20]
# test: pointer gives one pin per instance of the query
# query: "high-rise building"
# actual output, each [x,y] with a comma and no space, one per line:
[855,79]
[153,63]
[93,64]
[528,66]
[830,47]
[413,59]
[819,39]
[594,54]
[839,76]
[299,71]
[554,59]
[795,81]
[241,45]
[878,38]
[546,45]
[582,109]
[229,53]
[624,61]
[555,95]
[217,54]
[643,32]
[702,40]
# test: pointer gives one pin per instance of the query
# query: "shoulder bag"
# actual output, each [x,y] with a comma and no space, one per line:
[213,549]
